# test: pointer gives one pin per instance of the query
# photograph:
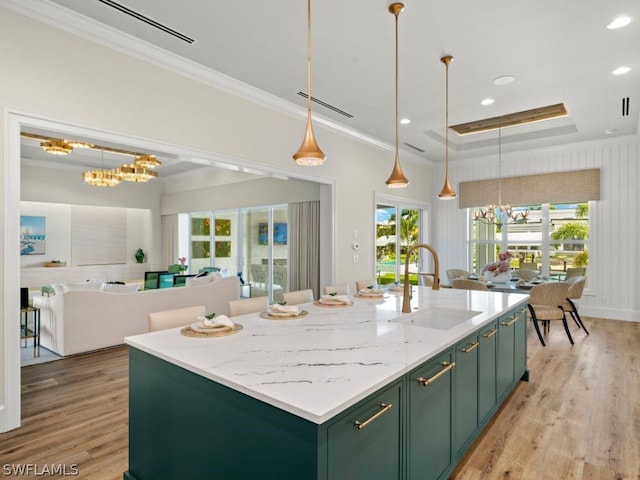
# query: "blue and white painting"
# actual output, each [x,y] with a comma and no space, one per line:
[32,235]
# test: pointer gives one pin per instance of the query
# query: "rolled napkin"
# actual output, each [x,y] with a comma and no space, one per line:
[278,310]
[371,292]
[335,299]
[215,323]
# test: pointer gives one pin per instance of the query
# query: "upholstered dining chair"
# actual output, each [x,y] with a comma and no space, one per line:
[297,297]
[466,284]
[526,275]
[248,305]
[178,317]
[454,273]
[362,284]
[545,305]
[576,286]
[342,289]
[425,279]
[574,272]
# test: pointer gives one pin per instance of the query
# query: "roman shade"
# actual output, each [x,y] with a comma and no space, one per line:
[562,187]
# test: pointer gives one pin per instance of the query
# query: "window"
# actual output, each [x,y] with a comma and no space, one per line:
[393,238]
[554,239]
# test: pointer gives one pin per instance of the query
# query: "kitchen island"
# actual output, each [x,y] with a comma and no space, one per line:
[355,392]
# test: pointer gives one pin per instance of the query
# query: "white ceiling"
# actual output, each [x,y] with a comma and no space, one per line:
[559,51]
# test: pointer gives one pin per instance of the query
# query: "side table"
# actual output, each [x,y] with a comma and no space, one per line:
[26,332]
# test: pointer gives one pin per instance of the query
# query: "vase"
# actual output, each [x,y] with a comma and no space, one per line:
[503,277]
[139,256]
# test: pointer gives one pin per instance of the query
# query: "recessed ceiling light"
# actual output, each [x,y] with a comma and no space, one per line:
[504,80]
[619,22]
[487,101]
[405,121]
[621,70]
[610,131]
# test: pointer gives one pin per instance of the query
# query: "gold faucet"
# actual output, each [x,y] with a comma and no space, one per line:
[406,300]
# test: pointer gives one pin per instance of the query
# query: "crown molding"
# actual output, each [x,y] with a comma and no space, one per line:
[72,22]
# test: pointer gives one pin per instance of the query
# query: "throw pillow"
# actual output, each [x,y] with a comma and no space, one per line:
[195,281]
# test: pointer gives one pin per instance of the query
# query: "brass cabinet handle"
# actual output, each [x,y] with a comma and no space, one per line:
[428,381]
[471,347]
[491,333]
[511,321]
[384,408]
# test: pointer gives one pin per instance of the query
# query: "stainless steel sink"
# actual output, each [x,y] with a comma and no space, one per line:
[440,318]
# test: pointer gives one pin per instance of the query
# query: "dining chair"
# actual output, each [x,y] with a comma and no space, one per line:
[248,305]
[466,284]
[341,289]
[574,272]
[576,286]
[526,275]
[425,279]
[545,305]
[362,284]
[297,297]
[529,266]
[178,317]
[454,273]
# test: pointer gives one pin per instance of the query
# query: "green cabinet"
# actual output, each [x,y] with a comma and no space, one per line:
[466,391]
[512,350]
[365,443]
[417,427]
[487,371]
[429,440]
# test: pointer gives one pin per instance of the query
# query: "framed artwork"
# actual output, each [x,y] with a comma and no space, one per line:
[223,227]
[223,249]
[200,249]
[32,235]
[279,233]
[200,226]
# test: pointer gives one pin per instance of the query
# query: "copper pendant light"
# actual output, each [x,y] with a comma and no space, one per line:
[397,178]
[447,193]
[309,153]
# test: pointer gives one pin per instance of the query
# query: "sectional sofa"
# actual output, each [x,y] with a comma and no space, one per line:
[81,319]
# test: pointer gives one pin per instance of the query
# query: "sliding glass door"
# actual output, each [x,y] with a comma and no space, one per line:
[397,228]
[249,242]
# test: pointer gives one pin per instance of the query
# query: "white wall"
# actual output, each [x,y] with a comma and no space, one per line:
[615,224]
[108,91]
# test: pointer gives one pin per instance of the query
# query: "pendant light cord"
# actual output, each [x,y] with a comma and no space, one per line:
[397,151]
[500,166]
[446,122]
[309,57]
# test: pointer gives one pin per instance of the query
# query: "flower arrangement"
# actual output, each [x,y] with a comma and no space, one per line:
[499,266]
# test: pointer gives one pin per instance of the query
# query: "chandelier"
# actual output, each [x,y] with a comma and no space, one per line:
[140,170]
[102,177]
[500,214]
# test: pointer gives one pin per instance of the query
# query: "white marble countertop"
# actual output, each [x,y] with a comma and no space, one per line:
[317,366]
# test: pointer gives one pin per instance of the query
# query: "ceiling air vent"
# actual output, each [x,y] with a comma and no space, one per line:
[326,105]
[414,147]
[148,21]
[512,119]
[625,106]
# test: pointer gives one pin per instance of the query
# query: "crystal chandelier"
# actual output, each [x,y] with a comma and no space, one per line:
[500,214]
[102,177]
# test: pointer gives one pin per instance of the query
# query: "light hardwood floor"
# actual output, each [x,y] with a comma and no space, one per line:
[577,418]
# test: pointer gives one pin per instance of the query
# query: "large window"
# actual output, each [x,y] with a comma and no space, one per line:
[553,239]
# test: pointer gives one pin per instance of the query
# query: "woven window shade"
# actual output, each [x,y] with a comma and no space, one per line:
[563,187]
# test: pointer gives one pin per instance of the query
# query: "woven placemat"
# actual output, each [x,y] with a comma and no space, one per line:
[302,314]
[189,332]
[332,305]
[372,297]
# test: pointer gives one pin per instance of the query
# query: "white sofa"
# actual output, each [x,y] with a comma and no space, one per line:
[80,321]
